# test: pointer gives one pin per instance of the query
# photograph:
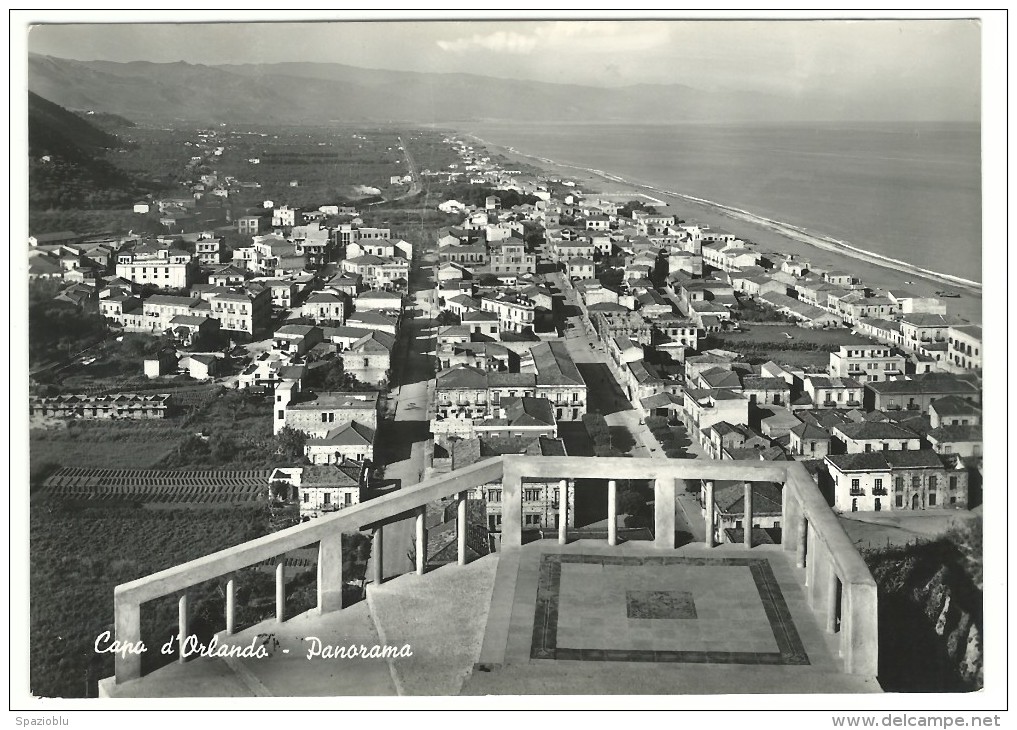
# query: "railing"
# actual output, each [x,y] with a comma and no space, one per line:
[830,557]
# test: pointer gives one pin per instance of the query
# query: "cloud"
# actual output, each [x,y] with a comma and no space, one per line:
[499,42]
[566,37]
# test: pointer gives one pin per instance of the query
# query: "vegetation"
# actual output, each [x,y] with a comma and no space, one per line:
[626,210]
[477,195]
[446,318]
[930,613]
[79,555]
[750,310]
[601,435]
[59,329]
[672,439]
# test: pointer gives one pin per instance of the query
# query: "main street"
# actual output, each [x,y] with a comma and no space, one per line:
[403,438]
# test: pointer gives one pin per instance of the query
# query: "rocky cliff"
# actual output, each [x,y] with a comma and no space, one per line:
[930,614]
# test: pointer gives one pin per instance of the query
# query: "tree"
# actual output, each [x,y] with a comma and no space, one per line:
[289,443]
[447,318]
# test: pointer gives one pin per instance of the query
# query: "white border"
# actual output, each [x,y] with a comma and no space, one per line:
[994,195]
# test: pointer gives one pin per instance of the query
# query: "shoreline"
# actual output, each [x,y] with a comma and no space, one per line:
[969,305]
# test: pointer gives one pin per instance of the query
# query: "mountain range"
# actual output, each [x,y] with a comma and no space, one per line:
[321,93]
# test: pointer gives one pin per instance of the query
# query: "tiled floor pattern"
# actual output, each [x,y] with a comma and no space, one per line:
[593,603]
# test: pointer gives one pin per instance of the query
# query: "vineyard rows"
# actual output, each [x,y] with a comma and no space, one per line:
[158,486]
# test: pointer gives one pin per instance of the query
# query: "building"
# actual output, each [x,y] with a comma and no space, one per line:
[919,392]
[515,313]
[369,359]
[520,416]
[116,405]
[897,480]
[351,441]
[321,489]
[249,225]
[167,268]
[377,272]
[867,436]
[316,414]
[559,380]
[239,310]
[809,441]
[729,509]
[509,256]
[540,499]
[580,267]
[324,307]
[208,249]
[868,363]
[833,392]
[965,346]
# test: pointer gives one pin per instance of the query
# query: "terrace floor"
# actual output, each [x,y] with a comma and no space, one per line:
[578,619]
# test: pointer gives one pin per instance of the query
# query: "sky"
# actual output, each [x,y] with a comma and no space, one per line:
[868,58]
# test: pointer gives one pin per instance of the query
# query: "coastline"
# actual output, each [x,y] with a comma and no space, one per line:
[878,271]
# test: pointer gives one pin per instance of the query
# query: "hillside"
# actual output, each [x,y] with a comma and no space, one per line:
[322,93]
[67,166]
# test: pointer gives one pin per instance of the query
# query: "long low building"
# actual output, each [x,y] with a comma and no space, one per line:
[117,405]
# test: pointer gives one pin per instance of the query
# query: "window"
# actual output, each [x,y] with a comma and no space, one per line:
[879,484]
[328,498]
[347,499]
[932,483]
[307,497]
[531,495]
[532,519]
[494,495]
[282,414]
[916,482]
[854,484]
[932,499]
[868,448]
[899,484]
[953,482]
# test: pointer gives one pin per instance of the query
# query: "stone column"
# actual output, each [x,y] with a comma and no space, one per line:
[664,490]
[421,540]
[330,573]
[231,606]
[127,618]
[378,555]
[831,602]
[511,507]
[747,522]
[860,623]
[280,588]
[802,541]
[612,512]
[182,626]
[709,516]
[461,527]
[563,512]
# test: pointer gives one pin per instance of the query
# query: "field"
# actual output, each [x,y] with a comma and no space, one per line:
[79,555]
[161,486]
[807,348]
[136,445]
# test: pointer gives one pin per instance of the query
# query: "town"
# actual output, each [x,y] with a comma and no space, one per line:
[347,358]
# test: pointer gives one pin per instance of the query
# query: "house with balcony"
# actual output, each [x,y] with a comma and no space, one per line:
[704,407]
[964,347]
[897,480]
[515,313]
[837,392]
[919,329]
[559,380]
[167,268]
[866,436]
[519,417]
[809,441]
[376,272]
[323,307]
[374,321]
[325,488]
[867,363]
[918,392]
[240,310]
[509,257]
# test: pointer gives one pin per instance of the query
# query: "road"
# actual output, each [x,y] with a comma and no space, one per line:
[403,444]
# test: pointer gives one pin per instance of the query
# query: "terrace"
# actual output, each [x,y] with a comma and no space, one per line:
[552,616]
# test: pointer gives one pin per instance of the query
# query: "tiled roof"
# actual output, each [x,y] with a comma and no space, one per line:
[875,430]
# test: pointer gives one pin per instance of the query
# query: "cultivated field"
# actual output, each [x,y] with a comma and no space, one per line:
[806,348]
[145,486]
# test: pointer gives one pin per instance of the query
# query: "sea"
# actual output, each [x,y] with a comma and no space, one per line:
[910,191]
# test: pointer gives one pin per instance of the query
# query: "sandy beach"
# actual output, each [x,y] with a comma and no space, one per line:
[770,236]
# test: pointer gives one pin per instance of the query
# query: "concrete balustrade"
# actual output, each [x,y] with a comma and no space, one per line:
[747,517]
[461,526]
[711,528]
[831,563]
[563,512]
[612,512]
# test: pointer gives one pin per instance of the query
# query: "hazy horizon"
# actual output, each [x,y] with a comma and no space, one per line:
[897,69]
